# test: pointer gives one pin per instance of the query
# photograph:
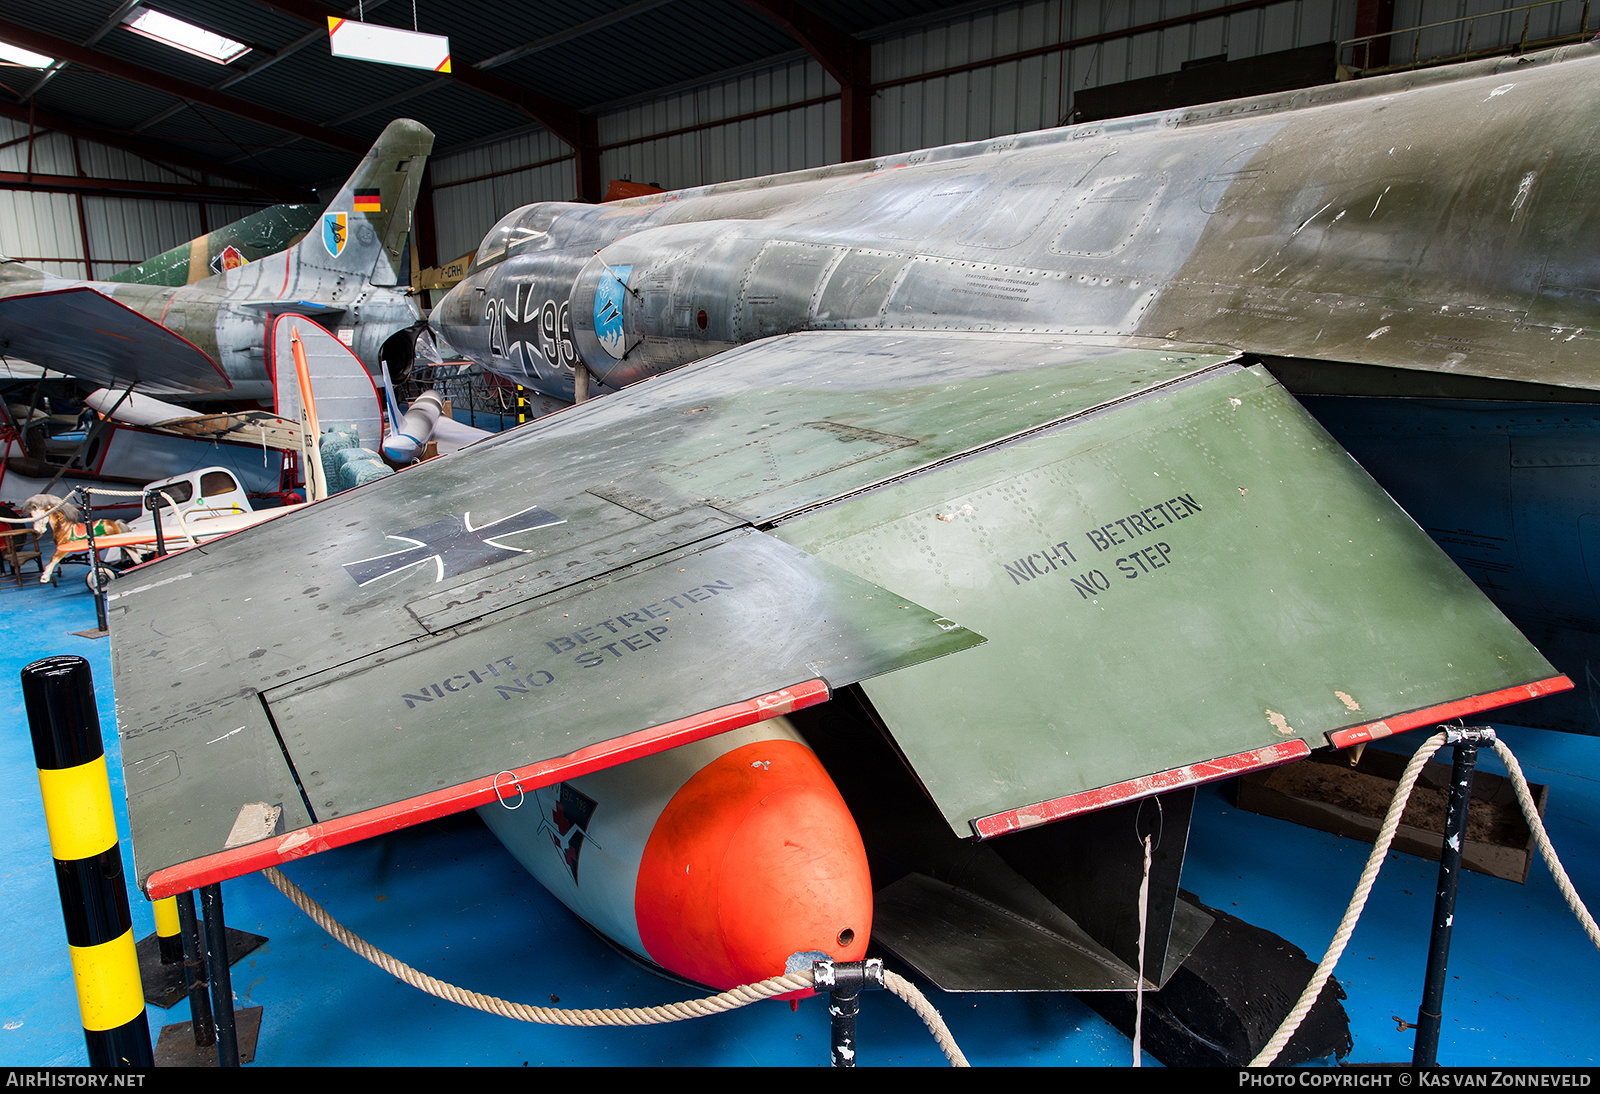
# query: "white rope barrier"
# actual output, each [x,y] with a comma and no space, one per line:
[625,1016]
[60,504]
[1380,850]
[1542,838]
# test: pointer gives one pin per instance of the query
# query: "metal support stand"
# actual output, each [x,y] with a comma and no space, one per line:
[152,505]
[94,563]
[1431,1013]
[194,974]
[220,974]
[195,1043]
[843,982]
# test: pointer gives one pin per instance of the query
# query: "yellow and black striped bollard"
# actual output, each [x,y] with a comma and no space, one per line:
[65,723]
[169,932]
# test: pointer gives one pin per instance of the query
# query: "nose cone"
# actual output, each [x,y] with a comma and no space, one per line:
[449,311]
[754,859]
[460,320]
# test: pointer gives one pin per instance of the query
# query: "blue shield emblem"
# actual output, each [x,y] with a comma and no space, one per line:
[335,231]
[608,296]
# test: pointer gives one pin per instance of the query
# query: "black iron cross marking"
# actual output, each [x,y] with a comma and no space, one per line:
[569,825]
[454,545]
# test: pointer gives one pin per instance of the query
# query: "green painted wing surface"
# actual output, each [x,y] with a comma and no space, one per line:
[1198,573]
[727,618]
[762,518]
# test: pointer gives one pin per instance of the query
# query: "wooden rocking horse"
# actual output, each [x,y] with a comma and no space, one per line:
[71,535]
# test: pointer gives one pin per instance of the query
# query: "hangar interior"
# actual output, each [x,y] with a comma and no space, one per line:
[672,94]
[116,147]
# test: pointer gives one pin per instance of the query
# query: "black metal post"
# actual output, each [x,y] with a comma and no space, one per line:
[843,1006]
[152,504]
[1431,1013]
[195,980]
[843,982]
[221,975]
[94,564]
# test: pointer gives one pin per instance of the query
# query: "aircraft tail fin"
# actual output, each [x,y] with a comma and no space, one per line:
[363,230]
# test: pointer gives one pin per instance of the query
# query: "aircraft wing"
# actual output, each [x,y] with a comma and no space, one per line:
[1178,574]
[85,333]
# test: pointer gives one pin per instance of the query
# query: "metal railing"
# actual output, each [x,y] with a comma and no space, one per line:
[1370,54]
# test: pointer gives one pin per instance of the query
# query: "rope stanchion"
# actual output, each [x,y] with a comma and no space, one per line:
[176,512]
[1380,850]
[738,997]
[1358,901]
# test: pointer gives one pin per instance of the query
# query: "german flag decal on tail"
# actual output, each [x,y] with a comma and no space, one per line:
[368,201]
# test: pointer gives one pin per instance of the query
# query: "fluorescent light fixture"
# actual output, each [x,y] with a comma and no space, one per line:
[388,45]
[16,55]
[185,36]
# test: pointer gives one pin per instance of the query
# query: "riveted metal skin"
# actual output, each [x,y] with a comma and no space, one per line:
[981,429]
[1346,234]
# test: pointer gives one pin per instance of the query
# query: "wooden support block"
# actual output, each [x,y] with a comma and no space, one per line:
[1323,791]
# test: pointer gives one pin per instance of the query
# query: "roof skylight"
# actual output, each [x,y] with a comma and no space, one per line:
[16,55]
[185,36]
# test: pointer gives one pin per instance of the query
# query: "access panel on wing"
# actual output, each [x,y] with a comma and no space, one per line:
[740,616]
[1187,583]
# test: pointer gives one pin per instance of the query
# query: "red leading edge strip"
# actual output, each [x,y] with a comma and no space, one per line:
[238,861]
[1228,766]
[1399,723]
[1090,800]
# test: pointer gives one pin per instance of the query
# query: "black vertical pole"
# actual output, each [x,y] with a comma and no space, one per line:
[152,502]
[221,975]
[1430,1014]
[195,980]
[843,981]
[94,569]
[844,1003]
[65,723]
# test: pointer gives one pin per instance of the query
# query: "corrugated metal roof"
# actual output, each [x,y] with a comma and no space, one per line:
[579,53]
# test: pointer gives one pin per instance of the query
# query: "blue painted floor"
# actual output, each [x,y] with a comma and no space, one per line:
[447,899]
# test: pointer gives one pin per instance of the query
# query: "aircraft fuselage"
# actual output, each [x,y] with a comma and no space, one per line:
[1349,223]
[1423,235]
[226,316]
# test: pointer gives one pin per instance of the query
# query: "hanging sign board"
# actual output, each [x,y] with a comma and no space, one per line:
[388,45]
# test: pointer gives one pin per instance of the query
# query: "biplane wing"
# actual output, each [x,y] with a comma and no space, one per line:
[1149,567]
[83,332]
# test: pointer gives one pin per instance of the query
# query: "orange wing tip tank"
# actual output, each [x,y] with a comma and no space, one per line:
[719,861]
[756,859]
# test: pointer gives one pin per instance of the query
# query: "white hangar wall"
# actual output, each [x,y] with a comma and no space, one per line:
[91,235]
[785,115]
[1036,92]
